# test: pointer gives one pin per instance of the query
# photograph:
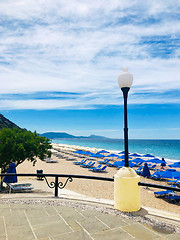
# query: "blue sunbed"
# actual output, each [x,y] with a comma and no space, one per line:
[114,164]
[90,165]
[161,194]
[78,163]
[173,199]
[139,170]
[86,165]
[104,162]
[99,169]
[93,167]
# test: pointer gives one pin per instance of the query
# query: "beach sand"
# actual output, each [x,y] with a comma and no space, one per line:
[93,188]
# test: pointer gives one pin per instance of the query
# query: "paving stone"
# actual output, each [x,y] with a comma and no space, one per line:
[69,214]
[51,229]
[16,220]
[36,213]
[175,236]
[5,212]
[140,232]
[3,238]
[2,229]
[18,206]
[2,205]
[112,221]
[39,221]
[90,213]
[20,233]
[46,238]
[93,225]
[51,211]
[79,235]
[74,225]
[112,234]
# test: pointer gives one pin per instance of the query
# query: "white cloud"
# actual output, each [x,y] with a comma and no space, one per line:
[81,46]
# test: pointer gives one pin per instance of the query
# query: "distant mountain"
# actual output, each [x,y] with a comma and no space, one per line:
[53,135]
[57,135]
[6,123]
[97,137]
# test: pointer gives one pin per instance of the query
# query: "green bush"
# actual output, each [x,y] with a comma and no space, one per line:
[17,145]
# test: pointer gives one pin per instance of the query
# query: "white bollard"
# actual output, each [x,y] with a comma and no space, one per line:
[126,190]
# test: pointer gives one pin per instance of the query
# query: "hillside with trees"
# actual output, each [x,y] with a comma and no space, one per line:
[6,123]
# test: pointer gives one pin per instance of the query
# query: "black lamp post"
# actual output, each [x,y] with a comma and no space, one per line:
[125,81]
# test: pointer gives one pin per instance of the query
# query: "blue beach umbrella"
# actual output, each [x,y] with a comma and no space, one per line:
[87,153]
[122,152]
[146,172]
[155,160]
[135,155]
[170,173]
[122,163]
[79,151]
[103,151]
[97,155]
[139,159]
[175,165]
[112,155]
[123,157]
[148,155]
[11,179]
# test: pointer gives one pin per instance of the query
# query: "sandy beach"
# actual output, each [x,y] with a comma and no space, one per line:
[92,188]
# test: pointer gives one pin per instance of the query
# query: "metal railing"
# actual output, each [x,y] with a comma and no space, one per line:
[56,184]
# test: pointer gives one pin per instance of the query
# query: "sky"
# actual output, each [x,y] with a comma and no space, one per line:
[60,61]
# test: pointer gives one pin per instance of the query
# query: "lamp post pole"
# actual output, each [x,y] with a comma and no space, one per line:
[125,81]
[125,91]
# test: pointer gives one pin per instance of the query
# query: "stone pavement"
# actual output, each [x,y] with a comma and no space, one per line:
[59,219]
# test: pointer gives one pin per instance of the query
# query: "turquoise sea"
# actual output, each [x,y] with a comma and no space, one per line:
[169,149]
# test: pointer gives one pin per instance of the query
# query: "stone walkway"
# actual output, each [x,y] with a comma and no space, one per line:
[45,221]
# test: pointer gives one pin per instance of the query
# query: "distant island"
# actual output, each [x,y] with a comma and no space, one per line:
[60,135]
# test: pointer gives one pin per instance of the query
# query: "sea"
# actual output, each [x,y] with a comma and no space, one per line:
[167,149]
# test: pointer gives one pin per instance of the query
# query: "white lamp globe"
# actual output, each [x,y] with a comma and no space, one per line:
[125,78]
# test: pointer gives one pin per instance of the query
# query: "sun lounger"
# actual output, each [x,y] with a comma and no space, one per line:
[19,187]
[114,164]
[93,167]
[85,165]
[104,162]
[162,194]
[170,182]
[71,159]
[78,163]
[99,169]
[173,199]
[156,176]
[51,161]
[139,170]
[90,164]
[153,167]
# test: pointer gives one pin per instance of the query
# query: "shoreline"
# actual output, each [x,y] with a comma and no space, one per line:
[71,147]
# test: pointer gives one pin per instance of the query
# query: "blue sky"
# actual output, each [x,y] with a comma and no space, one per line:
[60,61]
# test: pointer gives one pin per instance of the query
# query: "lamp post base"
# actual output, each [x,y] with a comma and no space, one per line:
[126,190]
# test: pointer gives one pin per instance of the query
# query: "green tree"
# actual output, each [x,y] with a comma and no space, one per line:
[17,145]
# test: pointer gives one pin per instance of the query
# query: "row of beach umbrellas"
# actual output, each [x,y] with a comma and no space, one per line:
[138,158]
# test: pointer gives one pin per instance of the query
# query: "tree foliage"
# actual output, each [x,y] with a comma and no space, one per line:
[16,145]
